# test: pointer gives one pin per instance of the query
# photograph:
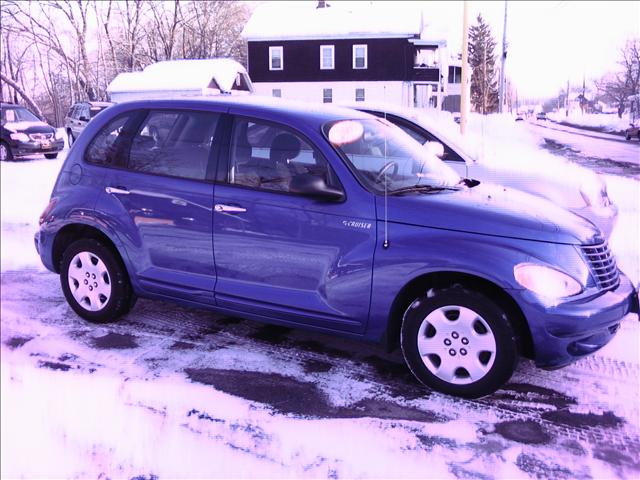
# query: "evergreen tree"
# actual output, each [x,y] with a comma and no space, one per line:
[482,59]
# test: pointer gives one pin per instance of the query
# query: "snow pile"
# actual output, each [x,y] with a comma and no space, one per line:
[600,121]
[302,20]
[25,187]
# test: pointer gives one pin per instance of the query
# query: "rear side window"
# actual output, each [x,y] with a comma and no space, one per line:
[174,143]
[106,145]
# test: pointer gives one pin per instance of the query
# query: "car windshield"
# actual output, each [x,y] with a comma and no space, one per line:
[18,115]
[385,156]
[96,110]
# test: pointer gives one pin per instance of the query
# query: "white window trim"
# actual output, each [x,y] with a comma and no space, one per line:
[271,51]
[333,57]
[366,55]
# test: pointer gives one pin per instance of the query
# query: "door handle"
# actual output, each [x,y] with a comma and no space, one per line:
[221,208]
[117,190]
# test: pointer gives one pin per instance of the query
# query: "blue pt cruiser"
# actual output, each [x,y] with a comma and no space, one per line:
[331,220]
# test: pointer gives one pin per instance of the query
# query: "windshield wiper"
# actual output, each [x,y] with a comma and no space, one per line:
[470,182]
[420,189]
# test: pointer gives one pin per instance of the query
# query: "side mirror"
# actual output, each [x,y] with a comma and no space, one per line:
[435,148]
[314,186]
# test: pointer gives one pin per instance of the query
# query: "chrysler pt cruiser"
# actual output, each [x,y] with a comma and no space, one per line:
[332,220]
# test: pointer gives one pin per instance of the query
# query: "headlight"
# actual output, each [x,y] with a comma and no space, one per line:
[20,137]
[546,281]
[594,192]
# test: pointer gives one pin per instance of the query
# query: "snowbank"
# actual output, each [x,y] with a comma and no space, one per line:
[599,121]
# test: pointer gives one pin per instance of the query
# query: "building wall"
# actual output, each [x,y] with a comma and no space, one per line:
[387,59]
[395,92]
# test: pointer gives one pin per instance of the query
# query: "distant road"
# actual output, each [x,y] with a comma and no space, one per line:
[602,152]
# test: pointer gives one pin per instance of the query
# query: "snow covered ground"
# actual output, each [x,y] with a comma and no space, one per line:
[604,122]
[171,392]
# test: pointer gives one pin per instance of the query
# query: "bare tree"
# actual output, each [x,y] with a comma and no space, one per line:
[617,87]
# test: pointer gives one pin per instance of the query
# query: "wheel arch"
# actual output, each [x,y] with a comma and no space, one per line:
[445,279]
[76,231]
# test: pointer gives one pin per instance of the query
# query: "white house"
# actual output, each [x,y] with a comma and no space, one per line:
[369,52]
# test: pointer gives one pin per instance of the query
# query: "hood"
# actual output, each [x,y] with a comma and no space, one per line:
[29,127]
[491,210]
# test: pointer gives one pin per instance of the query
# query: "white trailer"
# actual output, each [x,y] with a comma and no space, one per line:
[181,78]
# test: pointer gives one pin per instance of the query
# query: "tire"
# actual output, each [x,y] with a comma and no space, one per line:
[627,136]
[50,156]
[5,152]
[89,261]
[459,342]
[70,139]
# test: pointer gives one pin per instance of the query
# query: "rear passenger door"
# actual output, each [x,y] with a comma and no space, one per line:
[164,192]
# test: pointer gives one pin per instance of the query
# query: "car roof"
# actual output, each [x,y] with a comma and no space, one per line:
[94,104]
[11,105]
[285,109]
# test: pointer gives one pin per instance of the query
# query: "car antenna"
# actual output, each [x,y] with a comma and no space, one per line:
[385,244]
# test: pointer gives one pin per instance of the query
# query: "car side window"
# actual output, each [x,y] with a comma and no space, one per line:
[423,136]
[106,145]
[267,156]
[174,143]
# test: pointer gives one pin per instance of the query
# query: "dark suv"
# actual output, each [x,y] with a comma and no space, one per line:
[79,115]
[332,220]
[23,134]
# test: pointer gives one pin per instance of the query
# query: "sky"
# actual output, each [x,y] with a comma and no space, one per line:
[549,42]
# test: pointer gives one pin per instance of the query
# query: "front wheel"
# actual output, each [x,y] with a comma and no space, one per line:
[95,282]
[5,152]
[70,139]
[459,342]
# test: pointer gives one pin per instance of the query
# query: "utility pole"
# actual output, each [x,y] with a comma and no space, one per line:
[465,62]
[504,58]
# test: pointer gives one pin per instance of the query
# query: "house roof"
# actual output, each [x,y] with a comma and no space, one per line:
[180,75]
[303,21]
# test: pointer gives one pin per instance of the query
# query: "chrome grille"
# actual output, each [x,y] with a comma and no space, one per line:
[603,265]
[40,136]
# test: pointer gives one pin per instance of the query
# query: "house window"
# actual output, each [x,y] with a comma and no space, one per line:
[275,58]
[327,95]
[276,92]
[359,94]
[455,74]
[359,56]
[327,57]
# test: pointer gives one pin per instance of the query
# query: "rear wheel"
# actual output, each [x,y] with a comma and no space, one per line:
[50,156]
[5,152]
[459,342]
[95,282]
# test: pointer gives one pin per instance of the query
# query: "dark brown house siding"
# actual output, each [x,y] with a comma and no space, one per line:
[387,59]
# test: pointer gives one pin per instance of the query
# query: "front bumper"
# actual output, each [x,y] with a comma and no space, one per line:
[23,149]
[564,333]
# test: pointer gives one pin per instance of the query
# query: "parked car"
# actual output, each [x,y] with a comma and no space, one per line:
[632,132]
[23,134]
[332,220]
[79,115]
[541,116]
[590,199]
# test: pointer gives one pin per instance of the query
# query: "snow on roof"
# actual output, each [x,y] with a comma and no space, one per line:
[180,75]
[303,21]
